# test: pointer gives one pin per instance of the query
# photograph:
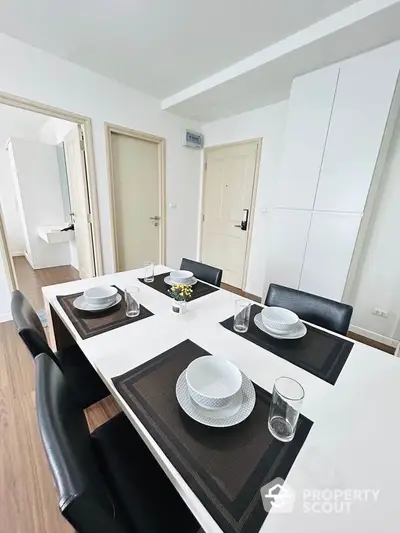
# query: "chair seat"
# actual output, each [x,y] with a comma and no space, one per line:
[81,376]
[138,483]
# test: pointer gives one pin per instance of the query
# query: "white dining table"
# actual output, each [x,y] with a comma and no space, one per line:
[352,449]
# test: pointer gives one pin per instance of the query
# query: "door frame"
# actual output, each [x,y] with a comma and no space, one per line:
[90,184]
[256,179]
[160,141]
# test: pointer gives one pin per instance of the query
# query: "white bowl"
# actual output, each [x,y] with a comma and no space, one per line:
[98,296]
[279,319]
[181,276]
[213,381]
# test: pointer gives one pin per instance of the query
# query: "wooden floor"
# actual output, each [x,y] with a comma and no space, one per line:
[370,342]
[31,281]
[28,498]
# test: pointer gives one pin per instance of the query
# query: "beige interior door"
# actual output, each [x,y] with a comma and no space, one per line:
[227,199]
[77,181]
[136,195]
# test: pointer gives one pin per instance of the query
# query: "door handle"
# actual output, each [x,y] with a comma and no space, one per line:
[156,220]
[245,219]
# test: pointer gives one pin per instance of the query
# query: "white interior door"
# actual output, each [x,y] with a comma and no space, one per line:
[77,181]
[137,205]
[228,190]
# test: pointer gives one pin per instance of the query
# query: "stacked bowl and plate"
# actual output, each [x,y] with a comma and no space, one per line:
[97,299]
[214,392]
[280,323]
[181,277]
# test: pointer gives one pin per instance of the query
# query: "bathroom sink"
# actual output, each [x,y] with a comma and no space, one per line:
[54,235]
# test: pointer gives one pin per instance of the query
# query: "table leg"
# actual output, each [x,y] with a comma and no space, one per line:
[58,335]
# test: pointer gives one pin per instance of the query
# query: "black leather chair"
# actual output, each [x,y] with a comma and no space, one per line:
[203,272]
[108,481]
[328,314]
[83,379]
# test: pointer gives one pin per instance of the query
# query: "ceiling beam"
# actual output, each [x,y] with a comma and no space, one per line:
[332,24]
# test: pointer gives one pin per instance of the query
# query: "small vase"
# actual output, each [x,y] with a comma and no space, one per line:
[179,307]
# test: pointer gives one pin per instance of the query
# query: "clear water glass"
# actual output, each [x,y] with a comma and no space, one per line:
[148,272]
[132,305]
[241,319]
[287,399]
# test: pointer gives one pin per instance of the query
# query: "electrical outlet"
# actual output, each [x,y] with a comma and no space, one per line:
[380,312]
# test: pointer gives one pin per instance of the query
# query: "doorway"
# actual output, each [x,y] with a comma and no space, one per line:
[75,161]
[229,187]
[136,177]
[38,199]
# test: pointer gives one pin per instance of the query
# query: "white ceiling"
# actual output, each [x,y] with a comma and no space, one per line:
[159,46]
[271,82]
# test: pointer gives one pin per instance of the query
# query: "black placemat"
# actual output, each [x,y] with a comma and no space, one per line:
[91,324]
[199,290]
[224,467]
[318,352]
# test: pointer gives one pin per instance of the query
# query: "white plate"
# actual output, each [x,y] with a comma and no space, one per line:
[169,281]
[297,333]
[241,407]
[81,304]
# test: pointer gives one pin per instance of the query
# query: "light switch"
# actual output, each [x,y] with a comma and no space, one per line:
[172,205]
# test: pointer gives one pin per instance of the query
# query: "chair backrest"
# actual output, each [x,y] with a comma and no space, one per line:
[83,496]
[29,327]
[328,314]
[203,272]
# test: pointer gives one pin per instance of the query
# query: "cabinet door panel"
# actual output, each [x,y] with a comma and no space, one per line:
[360,112]
[286,244]
[310,107]
[329,252]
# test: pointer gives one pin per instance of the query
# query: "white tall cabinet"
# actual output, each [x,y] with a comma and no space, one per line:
[336,123]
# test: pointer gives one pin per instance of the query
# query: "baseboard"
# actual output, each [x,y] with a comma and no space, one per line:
[18,254]
[46,265]
[252,297]
[374,336]
[28,259]
[241,292]
[6,317]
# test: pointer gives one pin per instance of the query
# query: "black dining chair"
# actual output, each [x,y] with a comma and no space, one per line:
[323,312]
[203,272]
[82,377]
[108,481]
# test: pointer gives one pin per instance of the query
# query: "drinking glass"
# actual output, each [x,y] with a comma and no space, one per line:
[148,272]
[132,305]
[242,316]
[287,398]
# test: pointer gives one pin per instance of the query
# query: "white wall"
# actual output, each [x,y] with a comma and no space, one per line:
[13,123]
[5,313]
[269,123]
[38,182]
[37,75]
[378,279]
[11,212]
[55,130]
[31,73]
